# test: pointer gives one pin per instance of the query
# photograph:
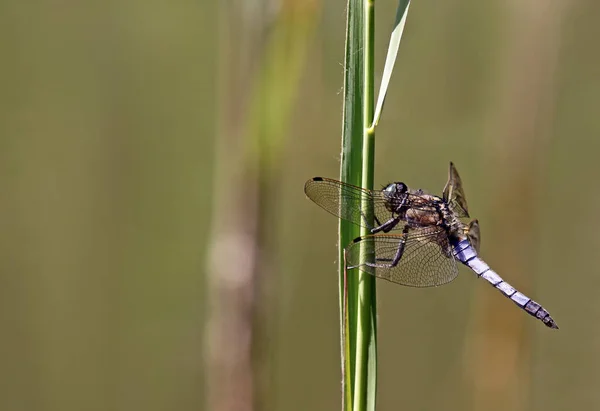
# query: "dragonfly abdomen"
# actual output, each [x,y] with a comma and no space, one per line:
[467,255]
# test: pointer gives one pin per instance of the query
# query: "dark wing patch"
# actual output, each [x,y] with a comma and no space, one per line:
[427,259]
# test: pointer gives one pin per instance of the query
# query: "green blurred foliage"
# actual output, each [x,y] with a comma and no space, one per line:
[106,158]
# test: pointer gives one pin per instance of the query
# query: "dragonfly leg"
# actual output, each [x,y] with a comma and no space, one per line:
[392,222]
[387,226]
[392,262]
[401,246]
[367,223]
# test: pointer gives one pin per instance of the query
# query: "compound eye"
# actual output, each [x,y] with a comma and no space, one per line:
[401,188]
[390,190]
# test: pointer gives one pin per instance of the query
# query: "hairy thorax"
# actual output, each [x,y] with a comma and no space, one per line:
[422,213]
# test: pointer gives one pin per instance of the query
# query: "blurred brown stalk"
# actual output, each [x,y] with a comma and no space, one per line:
[263,46]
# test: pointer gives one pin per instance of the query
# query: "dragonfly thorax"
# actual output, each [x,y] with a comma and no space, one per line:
[426,210]
[429,210]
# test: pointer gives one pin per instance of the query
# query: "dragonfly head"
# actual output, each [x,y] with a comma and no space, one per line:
[395,195]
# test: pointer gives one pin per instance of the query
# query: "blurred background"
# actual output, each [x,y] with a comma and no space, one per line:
[157,251]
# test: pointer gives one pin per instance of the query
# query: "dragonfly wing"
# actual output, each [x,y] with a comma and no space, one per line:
[352,203]
[474,234]
[454,194]
[426,261]
[349,202]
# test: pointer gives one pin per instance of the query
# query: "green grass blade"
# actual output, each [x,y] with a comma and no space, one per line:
[350,172]
[346,360]
[358,316]
[390,60]
[357,167]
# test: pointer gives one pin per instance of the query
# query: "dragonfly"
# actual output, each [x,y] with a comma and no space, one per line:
[415,238]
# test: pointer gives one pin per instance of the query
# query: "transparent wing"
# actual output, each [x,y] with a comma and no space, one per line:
[454,194]
[348,202]
[427,259]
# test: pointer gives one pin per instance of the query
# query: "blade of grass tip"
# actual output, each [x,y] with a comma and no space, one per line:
[390,60]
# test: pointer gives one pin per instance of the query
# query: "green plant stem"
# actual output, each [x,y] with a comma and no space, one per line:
[366,353]
[357,168]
